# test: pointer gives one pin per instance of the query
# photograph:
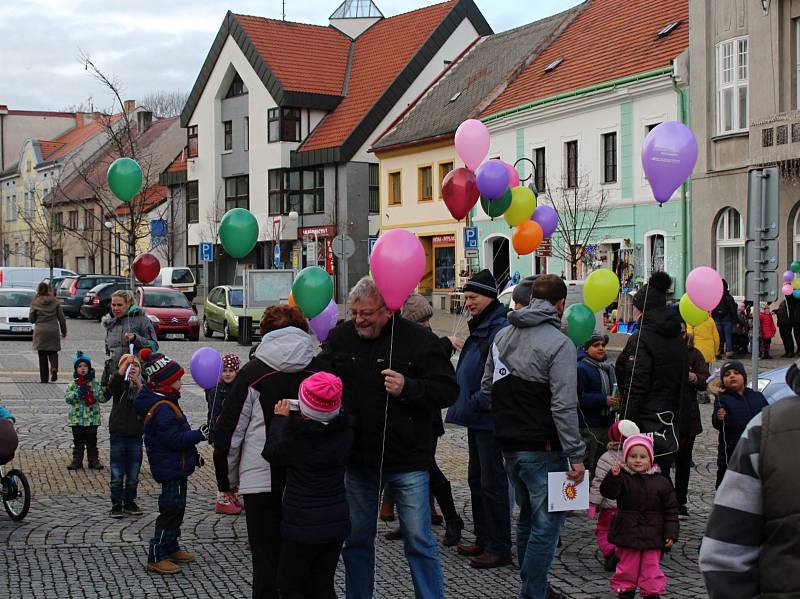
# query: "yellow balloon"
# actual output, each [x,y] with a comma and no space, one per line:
[601,289]
[796,283]
[523,203]
[692,315]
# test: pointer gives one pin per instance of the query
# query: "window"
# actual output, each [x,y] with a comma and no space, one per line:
[571,152]
[424,184]
[246,132]
[236,192]
[539,176]
[283,124]
[796,23]
[191,141]
[655,249]
[444,169]
[236,88]
[445,272]
[302,190]
[192,202]
[88,219]
[11,207]
[395,189]
[730,249]
[58,221]
[275,179]
[732,76]
[30,202]
[610,158]
[796,236]
[374,189]
[72,221]
[228,127]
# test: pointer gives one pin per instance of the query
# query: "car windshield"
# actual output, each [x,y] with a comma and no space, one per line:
[236,296]
[16,299]
[182,276]
[165,299]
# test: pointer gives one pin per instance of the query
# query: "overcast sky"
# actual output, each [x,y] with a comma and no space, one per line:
[151,44]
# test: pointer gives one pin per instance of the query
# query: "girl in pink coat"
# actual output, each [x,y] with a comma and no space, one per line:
[767,330]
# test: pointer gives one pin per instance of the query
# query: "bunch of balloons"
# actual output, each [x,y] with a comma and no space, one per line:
[600,290]
[791,280]
[703,293]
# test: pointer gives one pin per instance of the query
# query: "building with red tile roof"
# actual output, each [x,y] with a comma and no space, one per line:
[16,126]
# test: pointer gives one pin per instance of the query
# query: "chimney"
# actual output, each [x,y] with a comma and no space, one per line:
[144,119]
[130,106]
[79,119]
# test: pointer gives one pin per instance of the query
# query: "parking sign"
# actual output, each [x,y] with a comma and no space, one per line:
[206,251]
[470,238]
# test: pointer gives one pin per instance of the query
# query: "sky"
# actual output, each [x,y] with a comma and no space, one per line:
[149,45]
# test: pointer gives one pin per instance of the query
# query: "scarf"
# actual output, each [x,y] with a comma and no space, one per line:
[165,390]
[476,321]
[607,375]
[85,389]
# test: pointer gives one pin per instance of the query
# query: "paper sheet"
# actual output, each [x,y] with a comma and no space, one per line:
[564,495]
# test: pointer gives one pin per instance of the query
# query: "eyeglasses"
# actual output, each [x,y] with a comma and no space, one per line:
[366,314]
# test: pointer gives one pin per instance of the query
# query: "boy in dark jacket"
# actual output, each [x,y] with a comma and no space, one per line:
[597,397]
[315,448]
[646,520]
[171,451]
[734,407]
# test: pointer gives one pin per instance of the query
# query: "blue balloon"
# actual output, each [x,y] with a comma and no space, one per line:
[492,179]
[796,293]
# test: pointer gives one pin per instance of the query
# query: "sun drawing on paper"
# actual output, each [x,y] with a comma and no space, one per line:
[569,491]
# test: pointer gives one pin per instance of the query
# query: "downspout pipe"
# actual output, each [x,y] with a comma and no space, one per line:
[685,214]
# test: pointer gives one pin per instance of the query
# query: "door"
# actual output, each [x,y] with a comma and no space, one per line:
[426,283]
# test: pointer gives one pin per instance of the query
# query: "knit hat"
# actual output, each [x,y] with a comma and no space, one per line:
[231,361]
[635,440]
[81,357]
[321,397]
[416,308]
[621,430]
[523,291]
[160,370]
[655,292]
[732,365]
[596,337]
[482,283]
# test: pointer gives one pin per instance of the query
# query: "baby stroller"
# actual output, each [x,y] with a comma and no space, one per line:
[15,491]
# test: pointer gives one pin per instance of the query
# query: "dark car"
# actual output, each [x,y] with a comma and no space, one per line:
[54,284]
[170,312]
[97,301]
[72,290]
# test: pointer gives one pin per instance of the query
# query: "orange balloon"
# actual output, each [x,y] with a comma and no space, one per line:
[291,299]
[527,237]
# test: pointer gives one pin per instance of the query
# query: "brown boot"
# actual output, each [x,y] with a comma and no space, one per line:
[387,511]
[181,557]
[163,567]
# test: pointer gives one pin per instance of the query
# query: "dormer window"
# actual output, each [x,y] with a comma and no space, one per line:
[236,88]
[668,29]
[553,65]
[283,124]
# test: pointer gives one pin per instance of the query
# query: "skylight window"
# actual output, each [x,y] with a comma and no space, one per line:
[552,66]
[455,97]
[668,29]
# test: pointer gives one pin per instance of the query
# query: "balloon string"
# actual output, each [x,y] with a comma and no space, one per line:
[636,352]
[383,437]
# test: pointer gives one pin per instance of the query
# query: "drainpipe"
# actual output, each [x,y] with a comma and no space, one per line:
[685,215]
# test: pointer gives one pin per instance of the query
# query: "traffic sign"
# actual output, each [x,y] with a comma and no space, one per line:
[470,238]
[471,253]
[371,241]
[343,246]
[769,286]
[767,253]
[771,206]
[276,256]
[206,251]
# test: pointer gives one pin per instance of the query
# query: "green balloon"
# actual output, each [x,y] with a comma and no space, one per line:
[125,178]
[692,315]
[795,266]
[238,232]
[312,290]
[600,289]
[496,207]
[580,323]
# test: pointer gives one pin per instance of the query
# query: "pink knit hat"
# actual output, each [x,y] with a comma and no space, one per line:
[321,396]
[635,440]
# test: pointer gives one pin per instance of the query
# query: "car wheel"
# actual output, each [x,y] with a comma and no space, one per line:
[226,332]
[207,332]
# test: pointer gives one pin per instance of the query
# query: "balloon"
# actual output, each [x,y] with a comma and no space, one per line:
[312,290]
[788,276]
[206,367]
[796,284]
[460,192]
[527,237]
[324,322]
[691,314]
[125,178]
[669,154]
[580,323]
[238,232]
[787,289]
[513,175]
[492,179]
[495,208]
[796,293]
[795,266]
[601,289]
[290,301]
[146,268]
[472,142]
[704,286]
[523,203]
[398,263]
[547,217]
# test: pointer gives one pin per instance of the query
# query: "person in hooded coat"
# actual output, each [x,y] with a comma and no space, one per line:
[725,316]
[49,321]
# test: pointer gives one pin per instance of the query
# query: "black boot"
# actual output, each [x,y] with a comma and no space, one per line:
[77,456]
[452,521]
[627,595]
[94,457]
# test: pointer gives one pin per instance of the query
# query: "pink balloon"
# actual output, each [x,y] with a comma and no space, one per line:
[472,142]
[704,287]
[787,289]
[397,263]
[513,175]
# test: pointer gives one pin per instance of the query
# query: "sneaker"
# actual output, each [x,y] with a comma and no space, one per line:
[237,499]
[132,509]
[181,557]
[116,511]
[163,567]
[226,506]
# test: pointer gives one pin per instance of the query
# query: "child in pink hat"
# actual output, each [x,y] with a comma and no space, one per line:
[646,520]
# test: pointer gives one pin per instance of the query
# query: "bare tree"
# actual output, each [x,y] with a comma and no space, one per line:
[44,229]
[164,103]
[86,105]
[210,229]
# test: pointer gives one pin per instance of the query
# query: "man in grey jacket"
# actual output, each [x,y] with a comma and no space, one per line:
[530,376]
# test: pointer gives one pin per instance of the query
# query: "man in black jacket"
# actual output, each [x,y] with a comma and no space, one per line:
[395,374]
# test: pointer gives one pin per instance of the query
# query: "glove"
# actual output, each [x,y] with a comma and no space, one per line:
[204,431]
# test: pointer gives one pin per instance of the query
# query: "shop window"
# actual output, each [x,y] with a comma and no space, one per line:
[445,267]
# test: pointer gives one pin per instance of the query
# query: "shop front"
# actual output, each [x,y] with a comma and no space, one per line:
[315,247]
[439,279]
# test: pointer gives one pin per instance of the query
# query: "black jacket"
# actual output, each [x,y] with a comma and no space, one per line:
[690,423]
[430,385]
[215,397]
[124,420]
[315,456]
[726,308]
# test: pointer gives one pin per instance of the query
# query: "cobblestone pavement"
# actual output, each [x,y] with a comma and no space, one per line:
[69,547]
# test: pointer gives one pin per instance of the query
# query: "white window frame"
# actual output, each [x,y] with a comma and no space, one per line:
[797,63]
[647,257]
[732,62]
[722,239]
[796,236]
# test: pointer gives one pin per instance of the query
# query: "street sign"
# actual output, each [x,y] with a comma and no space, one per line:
[470,253]
[371,241]
[768,254]
[770,288]
[343,246]
[276,256]
[206,251]
[470,238]
[771,218]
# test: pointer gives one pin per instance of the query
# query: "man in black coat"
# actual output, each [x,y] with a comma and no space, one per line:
[395,374]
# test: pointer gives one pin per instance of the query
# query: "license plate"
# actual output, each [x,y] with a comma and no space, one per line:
[174,335]
[20,329]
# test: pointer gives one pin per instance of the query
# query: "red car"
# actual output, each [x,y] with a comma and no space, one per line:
[170,312]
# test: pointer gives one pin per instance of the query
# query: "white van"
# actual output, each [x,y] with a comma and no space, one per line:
[28,277]
[179,278]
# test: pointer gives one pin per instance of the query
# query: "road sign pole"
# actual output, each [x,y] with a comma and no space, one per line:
[758,216]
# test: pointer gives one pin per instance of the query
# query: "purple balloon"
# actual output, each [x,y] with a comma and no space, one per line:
[206,367]
[547,217]
[669,154]
[324,322]
[492,178]
[788,276]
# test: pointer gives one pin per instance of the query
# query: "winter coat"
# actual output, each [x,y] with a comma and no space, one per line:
[472,406]
[651,379]
[530,378]
[81,414]
[49,323]
[726,308]
[168,438]
[430,384]
[690,423]
[135,322]
[592,399]
[647,509]
[739,410]
[281,361]
[215,397]
[706,339]
[766,323]
[613,455]
[124,420]
[784,313]
[314,505]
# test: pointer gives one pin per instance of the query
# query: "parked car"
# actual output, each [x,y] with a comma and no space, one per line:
[28,277]
[72,290]
[772,383]
[170,312]
[222,309]
[54,284]
[97,301]
[177,277]
[15,306]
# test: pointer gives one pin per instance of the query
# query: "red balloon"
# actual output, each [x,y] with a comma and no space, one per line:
[146,268]
[460,192]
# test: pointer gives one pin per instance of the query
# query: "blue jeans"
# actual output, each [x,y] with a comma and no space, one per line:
[488,486]
[171,508]
[725,330]
[410,493]
[126,462]
[537,529]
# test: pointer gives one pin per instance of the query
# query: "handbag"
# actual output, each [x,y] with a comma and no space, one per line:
[660,427]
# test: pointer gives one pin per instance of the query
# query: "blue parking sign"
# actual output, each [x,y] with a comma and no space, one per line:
[206,251]
[470,238]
